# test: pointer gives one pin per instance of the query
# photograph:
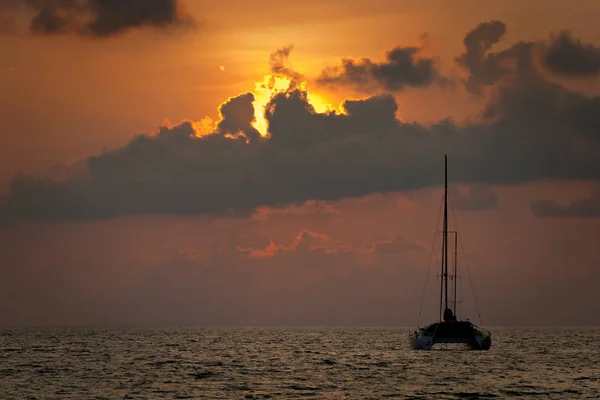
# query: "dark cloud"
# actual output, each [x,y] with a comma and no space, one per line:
[561,54]
[531,129]
[568,56]
[487,68]
[477,42]
[98,18]
[583,208]
[478,198]
[402,68]
[237,116]
[279,63]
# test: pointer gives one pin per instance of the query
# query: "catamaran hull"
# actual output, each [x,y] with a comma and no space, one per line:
[420,342]
[484,341]
[427,343]
[478,340]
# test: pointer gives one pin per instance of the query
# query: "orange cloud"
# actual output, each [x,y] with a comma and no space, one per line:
[306,241]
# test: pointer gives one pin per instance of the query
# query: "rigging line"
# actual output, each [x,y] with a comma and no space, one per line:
[462,248]
[429,267]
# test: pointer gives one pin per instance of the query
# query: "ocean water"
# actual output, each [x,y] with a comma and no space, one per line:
[289,363]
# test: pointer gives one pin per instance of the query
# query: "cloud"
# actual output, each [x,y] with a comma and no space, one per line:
[487,68]
[478,198]
[306,241]
[568,56]
[245,238]
[399,244]
[402,68]
[477,42]
[279,63]
[309,207]
[98,18]
[237,116]
[561,54]
[530,129]
[71,279]
[583,208]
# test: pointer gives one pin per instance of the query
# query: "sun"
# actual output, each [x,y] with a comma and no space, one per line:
[272,84]
[263,91]
[319,103]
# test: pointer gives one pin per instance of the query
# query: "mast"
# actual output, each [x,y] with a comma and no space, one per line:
[445,238]
[442,282]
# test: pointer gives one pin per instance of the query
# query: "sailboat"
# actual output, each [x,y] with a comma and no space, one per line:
[449,329]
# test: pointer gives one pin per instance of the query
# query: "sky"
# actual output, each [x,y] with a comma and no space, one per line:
[167,162]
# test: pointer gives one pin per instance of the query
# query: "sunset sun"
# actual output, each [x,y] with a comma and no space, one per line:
[273,83]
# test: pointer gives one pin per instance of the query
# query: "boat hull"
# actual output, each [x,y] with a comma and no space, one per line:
[418,342]
[459,332]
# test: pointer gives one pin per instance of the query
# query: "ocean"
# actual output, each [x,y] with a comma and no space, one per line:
[293,363]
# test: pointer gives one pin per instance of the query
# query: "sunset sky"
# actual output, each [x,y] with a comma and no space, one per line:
[268,163]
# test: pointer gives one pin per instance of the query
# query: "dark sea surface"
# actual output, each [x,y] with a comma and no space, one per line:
[289,363]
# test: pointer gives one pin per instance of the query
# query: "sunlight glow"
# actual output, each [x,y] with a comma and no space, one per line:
[319,103]
[272,84]
[263,92]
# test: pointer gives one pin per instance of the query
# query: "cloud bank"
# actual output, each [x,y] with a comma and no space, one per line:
[530,129]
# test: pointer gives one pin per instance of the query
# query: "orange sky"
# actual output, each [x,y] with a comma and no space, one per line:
[360,260]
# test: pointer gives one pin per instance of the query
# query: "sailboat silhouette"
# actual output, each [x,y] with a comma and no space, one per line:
[449,329]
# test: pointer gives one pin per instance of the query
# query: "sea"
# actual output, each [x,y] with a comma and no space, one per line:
[293,363]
